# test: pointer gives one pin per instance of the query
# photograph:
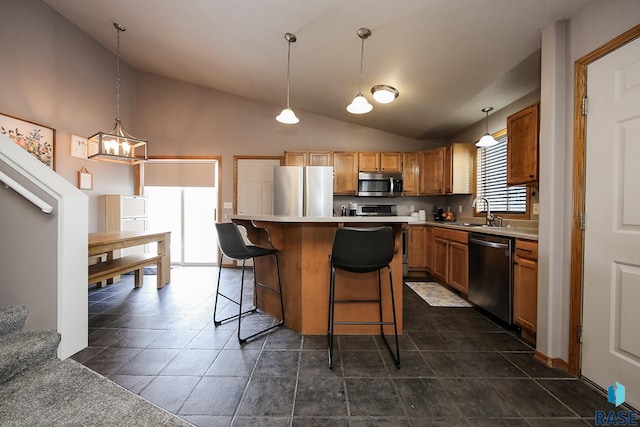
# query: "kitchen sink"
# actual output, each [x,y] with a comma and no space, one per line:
[468,224]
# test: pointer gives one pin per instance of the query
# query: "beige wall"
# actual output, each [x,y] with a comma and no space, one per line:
[186,120]
[54,74]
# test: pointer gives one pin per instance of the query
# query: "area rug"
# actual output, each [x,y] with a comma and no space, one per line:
[437,295]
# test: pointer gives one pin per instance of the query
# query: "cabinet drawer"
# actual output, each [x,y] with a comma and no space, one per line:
[527,249]
[451,235]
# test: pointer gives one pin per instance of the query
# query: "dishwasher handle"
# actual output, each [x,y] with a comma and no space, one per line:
[489,244]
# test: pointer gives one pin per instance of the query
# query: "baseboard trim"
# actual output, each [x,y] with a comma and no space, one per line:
[551,362]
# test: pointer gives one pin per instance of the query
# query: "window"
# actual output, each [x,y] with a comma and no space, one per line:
[491,181]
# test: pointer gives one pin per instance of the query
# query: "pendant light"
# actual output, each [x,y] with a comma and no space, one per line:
[360,105]
[487,140]
[287,116]
[117,145]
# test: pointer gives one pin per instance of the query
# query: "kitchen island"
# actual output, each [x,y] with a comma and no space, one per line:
[304,245]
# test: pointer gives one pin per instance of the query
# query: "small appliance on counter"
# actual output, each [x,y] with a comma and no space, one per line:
[438,213]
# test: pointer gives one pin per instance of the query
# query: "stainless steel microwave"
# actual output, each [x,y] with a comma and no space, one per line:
[379,184]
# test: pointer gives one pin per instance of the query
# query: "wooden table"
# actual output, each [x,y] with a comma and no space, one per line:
[107,242]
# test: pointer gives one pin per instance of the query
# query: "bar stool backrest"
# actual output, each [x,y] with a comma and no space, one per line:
[362,250]
[230,240]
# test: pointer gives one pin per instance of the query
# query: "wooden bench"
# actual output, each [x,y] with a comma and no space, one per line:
[114,267]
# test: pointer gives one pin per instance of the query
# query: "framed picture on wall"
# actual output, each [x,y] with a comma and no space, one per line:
[78,147]
[37,139]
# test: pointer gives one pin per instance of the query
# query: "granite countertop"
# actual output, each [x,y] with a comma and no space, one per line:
[328,219]
[509,230]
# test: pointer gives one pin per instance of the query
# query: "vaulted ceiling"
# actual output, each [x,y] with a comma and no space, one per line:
[447,58]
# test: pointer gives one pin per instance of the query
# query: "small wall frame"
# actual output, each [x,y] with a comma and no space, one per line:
[85,179]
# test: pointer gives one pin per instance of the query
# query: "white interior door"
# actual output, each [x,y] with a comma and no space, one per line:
[255,186]
[611,342]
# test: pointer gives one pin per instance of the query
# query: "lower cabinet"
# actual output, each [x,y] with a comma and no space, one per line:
[451,257]
[525,288]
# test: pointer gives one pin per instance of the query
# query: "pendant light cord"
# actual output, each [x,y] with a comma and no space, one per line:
[288,69]
[361,65]
[119,28]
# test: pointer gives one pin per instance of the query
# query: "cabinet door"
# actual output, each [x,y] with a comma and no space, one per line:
[459,266]
[525,293]
[410,174]
[522,146]
[390,162]
[429,247]
[345,173]
[441,258]
[417,246]
[295,158]
[368,161]
[447,172]
[320,158]
[432,171]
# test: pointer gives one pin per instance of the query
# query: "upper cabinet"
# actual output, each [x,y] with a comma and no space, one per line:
[410,174]
[308,158]
[447,170]
[459,168]
[432,171]
[370,161]
[522,146]
[345,173]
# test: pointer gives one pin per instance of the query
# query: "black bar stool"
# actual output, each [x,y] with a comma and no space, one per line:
[362,250]
[232,246]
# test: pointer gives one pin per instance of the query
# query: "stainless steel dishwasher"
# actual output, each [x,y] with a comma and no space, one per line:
[491,274]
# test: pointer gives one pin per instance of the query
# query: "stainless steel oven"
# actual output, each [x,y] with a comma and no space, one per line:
[379,184]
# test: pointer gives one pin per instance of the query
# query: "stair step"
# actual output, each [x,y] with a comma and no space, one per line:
[23,350]
[12,320]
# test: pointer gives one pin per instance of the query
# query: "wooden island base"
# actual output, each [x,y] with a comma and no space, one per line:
[304,250]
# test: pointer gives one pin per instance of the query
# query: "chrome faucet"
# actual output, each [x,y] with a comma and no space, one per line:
[490,218]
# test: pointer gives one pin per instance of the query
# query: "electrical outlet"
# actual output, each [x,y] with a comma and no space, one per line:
[412,208]
[536,208]
[459,209]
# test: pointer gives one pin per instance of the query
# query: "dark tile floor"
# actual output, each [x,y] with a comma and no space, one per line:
[458,367]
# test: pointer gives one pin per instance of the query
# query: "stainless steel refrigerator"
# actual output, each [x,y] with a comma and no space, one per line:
[303,191]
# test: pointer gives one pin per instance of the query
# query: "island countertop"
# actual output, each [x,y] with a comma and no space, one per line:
[326,219]
[304,245]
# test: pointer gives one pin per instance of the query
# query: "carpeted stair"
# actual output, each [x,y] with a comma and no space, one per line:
[38,389]
[21,350]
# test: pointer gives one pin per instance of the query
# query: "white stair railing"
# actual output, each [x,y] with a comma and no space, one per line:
[10,182]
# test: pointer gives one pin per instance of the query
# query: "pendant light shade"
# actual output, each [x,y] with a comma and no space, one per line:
[487,140]
[360,105]
[117,145]
[287,116]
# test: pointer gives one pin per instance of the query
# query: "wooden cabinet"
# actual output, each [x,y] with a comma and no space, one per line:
[522,146]
[432,171]
[410,174]
[308,158]
[448,170]
[370,161]
[451,257]
[126,213]
[345,172]
[417,245]
[459,168]
[525,287]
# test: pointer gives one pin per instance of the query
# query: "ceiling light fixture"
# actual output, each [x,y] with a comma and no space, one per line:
[117,145]
[384,94]
[287,116]
[360,105]
[487,140]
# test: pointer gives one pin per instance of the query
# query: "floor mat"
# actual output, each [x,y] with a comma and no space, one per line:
[437,295]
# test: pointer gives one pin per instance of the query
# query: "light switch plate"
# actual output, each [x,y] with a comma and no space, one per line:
[536,208]
[227,205]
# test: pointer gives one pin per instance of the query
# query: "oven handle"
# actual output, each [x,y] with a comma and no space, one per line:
[489,244]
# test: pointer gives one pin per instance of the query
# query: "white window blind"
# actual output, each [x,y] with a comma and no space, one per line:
[492,181]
